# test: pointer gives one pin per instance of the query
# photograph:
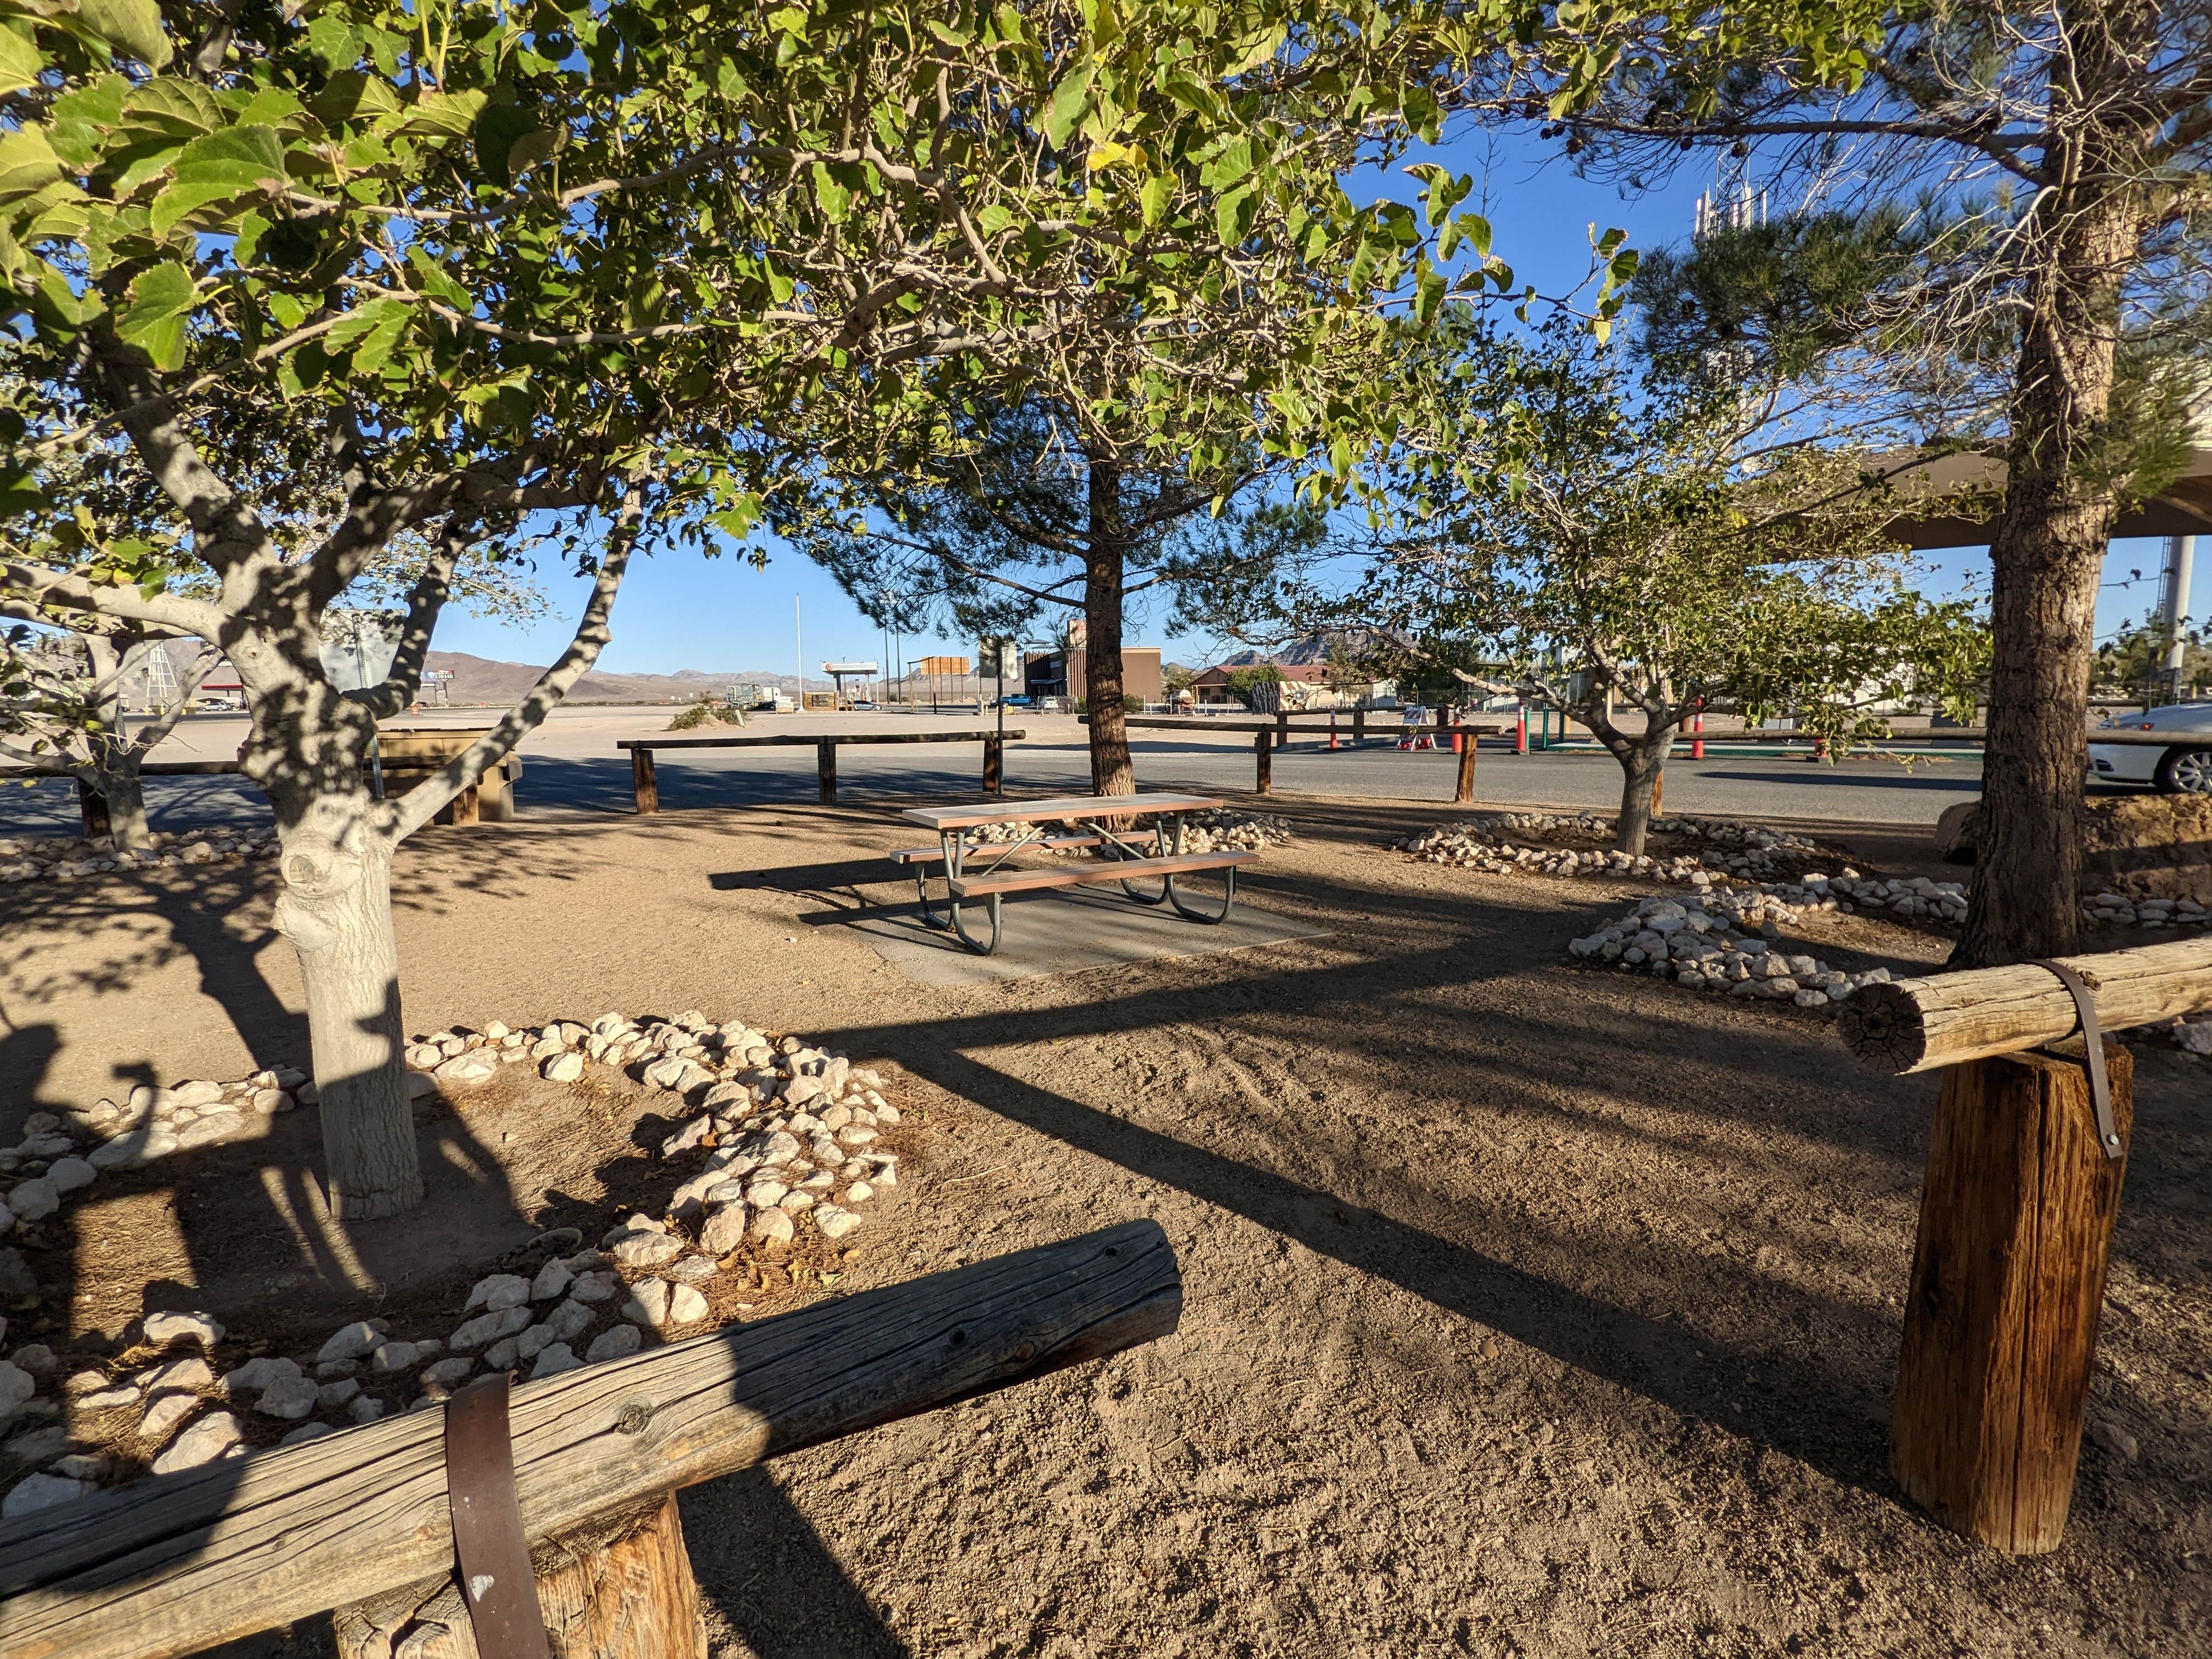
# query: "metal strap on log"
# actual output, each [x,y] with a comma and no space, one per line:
[180,1562]
[497,1585]
[1918,1024]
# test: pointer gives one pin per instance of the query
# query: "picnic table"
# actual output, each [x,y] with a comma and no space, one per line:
[1113,826]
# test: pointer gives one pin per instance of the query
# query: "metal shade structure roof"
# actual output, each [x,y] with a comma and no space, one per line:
[2184,507]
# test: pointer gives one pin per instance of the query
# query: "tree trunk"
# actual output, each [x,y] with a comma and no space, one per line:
[114,759]
[2048,552]
[1111,773]
[1641,763]
[126,805]
[337,910]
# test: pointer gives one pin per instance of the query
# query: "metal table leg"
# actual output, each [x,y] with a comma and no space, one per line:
[1228,898]
[956,848]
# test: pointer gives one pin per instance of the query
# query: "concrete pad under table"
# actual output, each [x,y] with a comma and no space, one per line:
[1068,931]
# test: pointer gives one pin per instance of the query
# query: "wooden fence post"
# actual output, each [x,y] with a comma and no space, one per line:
[993,775]
[2007,1283]
[1263,758]
[1463,790]
[620,1588]
[1359,724]
[642,780]
[92,808]
[825,766]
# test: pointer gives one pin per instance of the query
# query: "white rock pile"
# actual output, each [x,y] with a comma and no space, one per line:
[1211,830]
[1698,939]
[787,1132]
[69,859]
[1911,898]
[1487,842]
[779,1142]
[43,1172]
[156,1123]
[1219,829]
[1476,845]
[2110,910]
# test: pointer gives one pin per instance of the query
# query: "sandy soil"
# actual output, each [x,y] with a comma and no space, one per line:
[1530,1310]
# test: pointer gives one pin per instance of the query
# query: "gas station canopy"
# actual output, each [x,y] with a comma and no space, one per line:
[2184,507]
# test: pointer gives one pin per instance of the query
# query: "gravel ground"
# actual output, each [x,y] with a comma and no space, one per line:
[1530,1310]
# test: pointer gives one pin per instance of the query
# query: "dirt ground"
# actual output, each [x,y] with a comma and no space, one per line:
[1530,1310]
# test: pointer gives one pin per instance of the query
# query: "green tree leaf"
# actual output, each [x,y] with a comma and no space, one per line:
[20,62]
[133,25]
[1070,99]
[162,300]
[499,129]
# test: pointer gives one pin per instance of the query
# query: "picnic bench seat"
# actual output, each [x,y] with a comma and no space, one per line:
[1102,822]
[936,854]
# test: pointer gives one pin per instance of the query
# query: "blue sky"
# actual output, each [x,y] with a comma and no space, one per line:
[686,610]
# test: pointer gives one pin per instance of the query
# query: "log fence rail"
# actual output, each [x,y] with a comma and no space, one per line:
[646,786]
[360,1521]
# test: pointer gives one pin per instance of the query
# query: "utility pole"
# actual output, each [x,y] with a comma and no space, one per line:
[2180,556]
[798,639]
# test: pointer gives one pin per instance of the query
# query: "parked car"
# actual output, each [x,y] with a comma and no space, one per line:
[2183,769]
[1012,702]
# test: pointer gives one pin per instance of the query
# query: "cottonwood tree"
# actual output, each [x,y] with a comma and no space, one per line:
[2072,137]
[1600,542]
[493,267]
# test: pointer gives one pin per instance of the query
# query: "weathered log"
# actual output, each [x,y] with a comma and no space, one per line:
[620,1588]
[2007,1283]
[178,1563]
[1917,1025]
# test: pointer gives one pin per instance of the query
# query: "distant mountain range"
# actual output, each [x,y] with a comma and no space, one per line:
[1311,648]
[479,680]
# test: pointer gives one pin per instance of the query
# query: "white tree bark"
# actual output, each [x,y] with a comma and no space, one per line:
[336,911]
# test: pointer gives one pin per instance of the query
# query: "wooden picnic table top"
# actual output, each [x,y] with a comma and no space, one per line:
[1059,809]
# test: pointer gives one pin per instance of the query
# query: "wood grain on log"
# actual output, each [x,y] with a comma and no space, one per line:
[619,1589]
[1917,1025]
[2007,1283]
[179,1562]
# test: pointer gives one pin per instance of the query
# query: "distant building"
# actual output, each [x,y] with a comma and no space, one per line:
[1060,674]
[1304,685]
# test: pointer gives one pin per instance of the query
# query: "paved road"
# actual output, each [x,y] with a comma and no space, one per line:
[571,763]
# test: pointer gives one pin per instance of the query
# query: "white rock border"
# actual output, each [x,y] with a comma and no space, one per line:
[67,857]
[783,1137]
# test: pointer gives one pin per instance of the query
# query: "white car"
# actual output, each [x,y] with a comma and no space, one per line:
[2184,767]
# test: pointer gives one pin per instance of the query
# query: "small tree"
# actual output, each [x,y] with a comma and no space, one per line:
[1616,549]
[1241,681]
[62,697]
[2069,139]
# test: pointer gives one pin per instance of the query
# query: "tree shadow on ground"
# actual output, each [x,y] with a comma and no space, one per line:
[767,1576]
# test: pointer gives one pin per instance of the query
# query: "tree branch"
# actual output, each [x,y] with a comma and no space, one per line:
[423,802]
[424,602]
